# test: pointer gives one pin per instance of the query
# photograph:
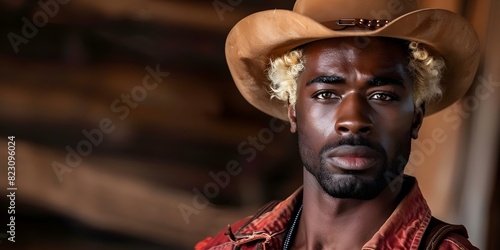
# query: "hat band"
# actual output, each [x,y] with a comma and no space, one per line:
[344,23]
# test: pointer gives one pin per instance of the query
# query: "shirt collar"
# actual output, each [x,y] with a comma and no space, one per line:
[271,226]
[406,225]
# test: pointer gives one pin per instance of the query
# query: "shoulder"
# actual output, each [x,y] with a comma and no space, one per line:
[238,232]
[222,239]
[264,227]
[441,235]
[456,241]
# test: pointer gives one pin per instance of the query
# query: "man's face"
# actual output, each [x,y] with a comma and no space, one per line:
[355,115]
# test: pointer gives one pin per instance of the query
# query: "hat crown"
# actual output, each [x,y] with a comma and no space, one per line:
[271,33]
[330,10]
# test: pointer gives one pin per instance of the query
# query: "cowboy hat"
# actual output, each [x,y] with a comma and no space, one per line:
[256,39]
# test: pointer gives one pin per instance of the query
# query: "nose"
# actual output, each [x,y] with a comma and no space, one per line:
[353,116]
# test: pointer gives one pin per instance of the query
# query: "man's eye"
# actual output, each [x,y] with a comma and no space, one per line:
[383,97]
[324,95]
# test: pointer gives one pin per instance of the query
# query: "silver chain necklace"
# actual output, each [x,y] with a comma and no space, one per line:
[293,230]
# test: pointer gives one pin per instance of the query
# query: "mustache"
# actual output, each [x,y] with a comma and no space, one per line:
[353,140]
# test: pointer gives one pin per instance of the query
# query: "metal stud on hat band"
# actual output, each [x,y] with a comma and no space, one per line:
[369,24]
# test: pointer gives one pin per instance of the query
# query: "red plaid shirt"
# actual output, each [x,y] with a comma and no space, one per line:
[402,230]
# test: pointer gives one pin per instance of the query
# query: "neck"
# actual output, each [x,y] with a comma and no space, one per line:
[333,223]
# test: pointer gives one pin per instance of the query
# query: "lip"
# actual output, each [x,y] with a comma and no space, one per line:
[353,157]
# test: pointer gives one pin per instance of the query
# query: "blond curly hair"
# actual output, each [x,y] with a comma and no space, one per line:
[426,71]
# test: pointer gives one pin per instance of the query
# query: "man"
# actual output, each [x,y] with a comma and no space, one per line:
[355,79]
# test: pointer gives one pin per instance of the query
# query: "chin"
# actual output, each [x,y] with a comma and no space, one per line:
[351,185]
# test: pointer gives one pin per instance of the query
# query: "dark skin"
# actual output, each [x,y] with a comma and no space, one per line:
[355,118]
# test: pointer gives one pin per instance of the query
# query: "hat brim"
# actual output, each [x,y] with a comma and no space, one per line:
[264,35]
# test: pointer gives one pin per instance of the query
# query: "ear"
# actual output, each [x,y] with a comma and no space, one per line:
[418,118]
[292,117]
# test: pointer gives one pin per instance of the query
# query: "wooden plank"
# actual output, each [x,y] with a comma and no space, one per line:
[113,200]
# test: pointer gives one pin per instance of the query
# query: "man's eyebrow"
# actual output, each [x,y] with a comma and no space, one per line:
[381,81]
[332,79]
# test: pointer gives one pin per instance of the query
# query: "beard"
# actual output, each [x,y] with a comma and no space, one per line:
[351,184]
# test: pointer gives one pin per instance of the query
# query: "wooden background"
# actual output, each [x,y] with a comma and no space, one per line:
[126,193]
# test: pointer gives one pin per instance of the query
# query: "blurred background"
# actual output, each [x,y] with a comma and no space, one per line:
[127,124]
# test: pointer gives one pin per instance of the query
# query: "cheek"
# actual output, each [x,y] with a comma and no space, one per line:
[395,131]
[318,120]
[395,118]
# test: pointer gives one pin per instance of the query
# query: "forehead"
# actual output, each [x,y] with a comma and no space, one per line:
[359,52]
